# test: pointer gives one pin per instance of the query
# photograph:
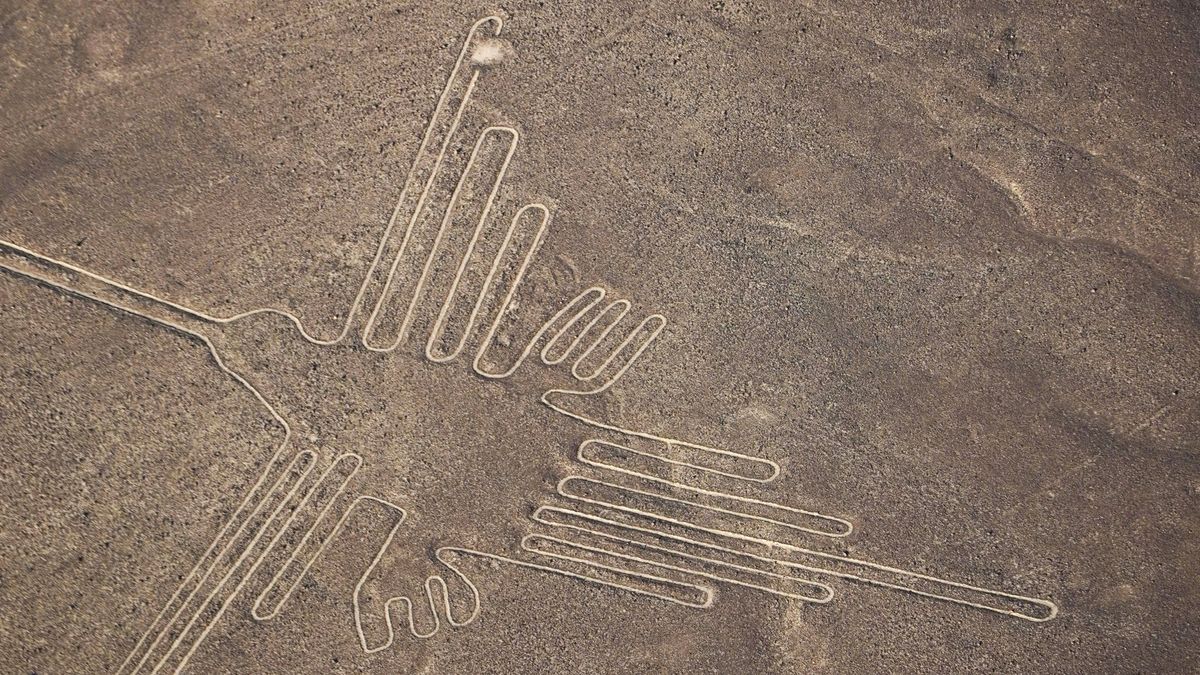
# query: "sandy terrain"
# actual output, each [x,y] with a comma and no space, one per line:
[936,267]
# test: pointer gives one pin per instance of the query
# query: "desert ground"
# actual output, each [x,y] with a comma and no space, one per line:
[935,265]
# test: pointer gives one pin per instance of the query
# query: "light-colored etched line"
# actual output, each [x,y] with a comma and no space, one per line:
[490,280]
[704,591]
[427,269]
[256,610]
[589,299]
[438,582]
[581,304]
[245,554]
[351,458]
[247,551]
[170,318]
[564,490]
[322,547]
[826,593]
[443,314]
[463,57]
[486,287]
[844,527]
[430,583]
[584,303]
[612,317]
[576,309]
[620,307]
[540,516]
[670,443]
[1051,609]
[419,208]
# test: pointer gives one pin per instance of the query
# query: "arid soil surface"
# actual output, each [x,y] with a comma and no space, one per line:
[940,262]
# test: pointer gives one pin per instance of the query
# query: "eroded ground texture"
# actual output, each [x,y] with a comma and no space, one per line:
[938,261]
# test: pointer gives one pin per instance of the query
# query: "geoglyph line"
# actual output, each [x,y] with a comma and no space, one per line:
[839,527]
[356,461]
[574,334]
[825,592]
[176,318]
